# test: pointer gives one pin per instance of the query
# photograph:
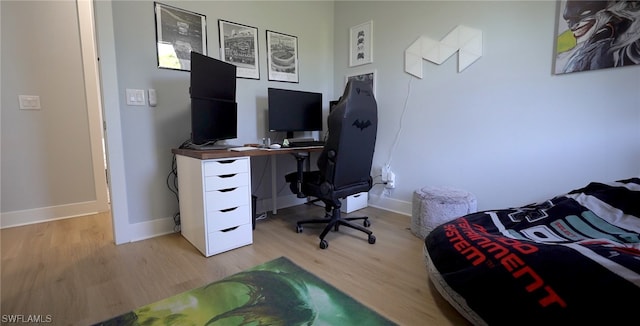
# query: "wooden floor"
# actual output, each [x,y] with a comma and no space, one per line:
[72,271]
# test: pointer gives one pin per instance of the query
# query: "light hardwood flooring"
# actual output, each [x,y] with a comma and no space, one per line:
[72,270]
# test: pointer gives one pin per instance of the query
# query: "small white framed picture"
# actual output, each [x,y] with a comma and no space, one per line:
[368,76]
[361,44]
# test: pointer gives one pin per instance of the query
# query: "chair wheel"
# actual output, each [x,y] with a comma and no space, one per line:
[372,239]
[324,244]
[299,229]
[366,223]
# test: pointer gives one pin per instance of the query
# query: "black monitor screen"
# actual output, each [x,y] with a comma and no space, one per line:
[213,120]
[291,110]
[212,78]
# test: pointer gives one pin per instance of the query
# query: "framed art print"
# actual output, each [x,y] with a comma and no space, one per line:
[282,57]
[178,32]
[361,44]
[595,35]
[239,46]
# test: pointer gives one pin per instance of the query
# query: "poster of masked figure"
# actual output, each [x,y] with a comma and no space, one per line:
[597,34]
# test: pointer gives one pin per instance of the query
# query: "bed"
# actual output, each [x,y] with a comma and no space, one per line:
[571,260]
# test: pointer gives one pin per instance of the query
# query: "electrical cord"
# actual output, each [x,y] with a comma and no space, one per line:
[378,183]
[264,170]
[172,184]
[172,178]
[404,109]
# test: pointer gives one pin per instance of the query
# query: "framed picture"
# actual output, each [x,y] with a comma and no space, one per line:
[369,77]
[178,32]
[239,46]
[282,57]
[603,36]
[361,44]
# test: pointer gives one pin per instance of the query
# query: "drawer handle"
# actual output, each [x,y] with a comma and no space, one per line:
[229,209]
[227,175]
[226,161]
[230,229]
[228,189]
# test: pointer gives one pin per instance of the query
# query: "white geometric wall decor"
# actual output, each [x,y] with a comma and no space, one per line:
[465,40]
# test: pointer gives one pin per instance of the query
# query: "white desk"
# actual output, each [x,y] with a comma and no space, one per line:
[221,154]
[215,195]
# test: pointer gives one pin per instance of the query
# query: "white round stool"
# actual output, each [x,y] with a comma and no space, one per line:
[433,206]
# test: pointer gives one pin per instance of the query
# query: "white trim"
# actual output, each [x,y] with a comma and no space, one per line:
[92,91]
[111,112]
[163,226]
[265,205]
[151,229]
[390,204]
[48,214]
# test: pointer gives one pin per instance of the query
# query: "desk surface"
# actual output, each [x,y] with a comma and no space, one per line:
[224,153]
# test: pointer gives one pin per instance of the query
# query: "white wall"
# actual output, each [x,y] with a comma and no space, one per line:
[506,128]
[47,167]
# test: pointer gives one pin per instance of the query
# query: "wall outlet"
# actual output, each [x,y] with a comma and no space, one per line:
[384,172]
[391,180]
[29,102]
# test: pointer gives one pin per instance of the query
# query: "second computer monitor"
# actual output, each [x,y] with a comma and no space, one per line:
[291,111]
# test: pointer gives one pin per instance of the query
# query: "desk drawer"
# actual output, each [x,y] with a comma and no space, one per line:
[227,198]
[226,166]
[227,218]
[228,239]
[226,181]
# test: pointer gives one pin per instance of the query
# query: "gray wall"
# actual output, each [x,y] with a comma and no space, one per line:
[506,128]
[46,154]
[149,133]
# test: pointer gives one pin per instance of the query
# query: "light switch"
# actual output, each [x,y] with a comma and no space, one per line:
[29,102]
[136,97]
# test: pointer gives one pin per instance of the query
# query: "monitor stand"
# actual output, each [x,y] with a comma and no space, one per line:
[207,147]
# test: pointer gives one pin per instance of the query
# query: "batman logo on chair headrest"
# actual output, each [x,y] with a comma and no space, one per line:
[361,124]
[365,92]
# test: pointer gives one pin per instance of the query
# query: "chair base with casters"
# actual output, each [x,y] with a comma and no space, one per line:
[313,186]
[334,220]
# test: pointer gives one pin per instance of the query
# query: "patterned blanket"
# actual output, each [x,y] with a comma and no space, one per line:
[574,259]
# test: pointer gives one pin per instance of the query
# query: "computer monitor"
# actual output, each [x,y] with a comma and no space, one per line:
[214,111]
[213,120]
[212,78]
[291,111]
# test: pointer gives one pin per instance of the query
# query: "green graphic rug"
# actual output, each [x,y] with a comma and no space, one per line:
[275,293]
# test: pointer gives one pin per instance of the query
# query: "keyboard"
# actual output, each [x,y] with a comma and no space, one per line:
[307,143]
[242,148]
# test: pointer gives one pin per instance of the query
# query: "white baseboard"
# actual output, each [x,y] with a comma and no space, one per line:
[390,204]
[382,202]
[158,227]
[47,214]
[264,205]
[150,229]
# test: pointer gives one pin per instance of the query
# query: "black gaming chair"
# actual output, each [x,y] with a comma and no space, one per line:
[345,162]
